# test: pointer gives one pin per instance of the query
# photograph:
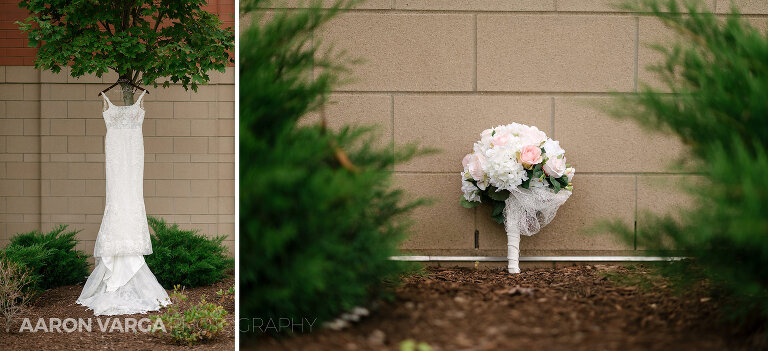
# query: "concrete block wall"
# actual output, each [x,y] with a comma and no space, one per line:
[441,71]
[52,153]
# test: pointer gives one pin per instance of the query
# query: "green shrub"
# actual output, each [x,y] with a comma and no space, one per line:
[319,218]
[186,257]
[190,324]
[716,101]
[51,257]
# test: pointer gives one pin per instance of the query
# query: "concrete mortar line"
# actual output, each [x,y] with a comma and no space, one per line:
[474,58]
[392,116]
[552,116]
[500,12]
[581,173]
[636,195]
[637,50]
[483,92]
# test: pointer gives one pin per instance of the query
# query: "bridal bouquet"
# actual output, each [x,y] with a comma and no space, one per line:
[523,174]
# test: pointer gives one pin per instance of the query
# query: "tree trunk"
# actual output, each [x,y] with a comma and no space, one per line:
[127,94]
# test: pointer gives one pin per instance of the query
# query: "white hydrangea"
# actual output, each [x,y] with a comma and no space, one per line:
[503,169]
[471,192]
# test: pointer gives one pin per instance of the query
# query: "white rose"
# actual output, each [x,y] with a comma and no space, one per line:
[532,136]
[552,148]
[486,136]
[555,167]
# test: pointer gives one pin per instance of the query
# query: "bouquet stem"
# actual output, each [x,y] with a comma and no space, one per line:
[513,251]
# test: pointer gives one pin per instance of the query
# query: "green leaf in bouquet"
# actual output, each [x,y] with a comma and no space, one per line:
[498,209]
[498,195]
[468,204]
[555,183]
[526,183]
[484,197]
[499,219]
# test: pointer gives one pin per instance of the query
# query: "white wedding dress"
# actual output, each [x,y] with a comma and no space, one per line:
[122,283]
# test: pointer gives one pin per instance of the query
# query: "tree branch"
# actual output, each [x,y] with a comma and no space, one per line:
[106,26]
[160,16]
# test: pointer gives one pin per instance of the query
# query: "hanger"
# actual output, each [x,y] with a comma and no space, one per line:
[123,80]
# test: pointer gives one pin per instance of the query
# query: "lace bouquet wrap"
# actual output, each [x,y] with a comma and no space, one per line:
[523,174]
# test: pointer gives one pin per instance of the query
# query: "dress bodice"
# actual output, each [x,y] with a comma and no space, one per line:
[123,117]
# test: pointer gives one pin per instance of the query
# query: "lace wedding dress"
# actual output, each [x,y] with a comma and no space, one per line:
[122,283]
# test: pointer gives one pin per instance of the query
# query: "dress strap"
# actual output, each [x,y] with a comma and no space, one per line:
[109,103]
[138,101]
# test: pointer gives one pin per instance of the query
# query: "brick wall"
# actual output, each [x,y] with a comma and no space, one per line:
[52,153]
[439,72]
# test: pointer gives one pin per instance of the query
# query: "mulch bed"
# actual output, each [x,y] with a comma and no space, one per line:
[571,308]
[60,303]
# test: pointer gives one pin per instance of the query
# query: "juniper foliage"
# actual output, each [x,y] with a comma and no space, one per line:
[186,257]
[51,257]
[319,217]
[715,98]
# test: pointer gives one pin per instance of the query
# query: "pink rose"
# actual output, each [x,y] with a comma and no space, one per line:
[466,160]
[475,167]
[555,167]
[530,155]
[501,139]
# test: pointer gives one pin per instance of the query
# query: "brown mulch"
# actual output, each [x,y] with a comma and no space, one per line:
[571,308]
[60,303]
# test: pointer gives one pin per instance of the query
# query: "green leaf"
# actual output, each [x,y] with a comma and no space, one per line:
[73,33]
[468,204]
[498,208]
[555,184]
[498,195]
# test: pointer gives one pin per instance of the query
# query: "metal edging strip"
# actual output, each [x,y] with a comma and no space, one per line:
[536,258]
